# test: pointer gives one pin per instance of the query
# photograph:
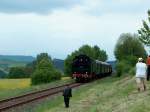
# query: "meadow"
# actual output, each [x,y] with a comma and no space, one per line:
[107,95]
[14,83]
[15,87]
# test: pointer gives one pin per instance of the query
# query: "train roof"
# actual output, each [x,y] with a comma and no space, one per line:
[97,61]
[104,63]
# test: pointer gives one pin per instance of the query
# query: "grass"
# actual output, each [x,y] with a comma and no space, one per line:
[106,95]
[14,83]
[15,87]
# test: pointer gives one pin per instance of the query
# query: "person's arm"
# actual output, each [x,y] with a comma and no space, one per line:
[70,92]
[63,93]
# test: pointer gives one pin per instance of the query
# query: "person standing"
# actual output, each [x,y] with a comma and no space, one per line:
[148,67]
[141,69]
[67,93]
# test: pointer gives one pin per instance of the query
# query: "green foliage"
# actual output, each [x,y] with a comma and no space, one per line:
[41,76]
[119,69]
[57,75]
[144,32]
[93,52]
[128,49]
[18,72]
[129,45]
[44,72]
[42,56]
[45,64]
[132,71]
[39,58]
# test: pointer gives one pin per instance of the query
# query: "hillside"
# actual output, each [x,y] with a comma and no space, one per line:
[17,58]
[59,64]
[7,61]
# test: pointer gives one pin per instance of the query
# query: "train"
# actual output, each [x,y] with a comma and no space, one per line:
[86,69]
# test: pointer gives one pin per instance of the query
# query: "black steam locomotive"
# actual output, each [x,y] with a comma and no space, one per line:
[85,69]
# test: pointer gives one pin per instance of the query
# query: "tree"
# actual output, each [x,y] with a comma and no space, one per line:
[99,54]
[18,72]
[44,72]
[127,50]
[127,46]
[32,66]
[145,32]
[93,52]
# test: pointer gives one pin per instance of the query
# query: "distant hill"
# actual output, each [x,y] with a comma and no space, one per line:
[59,64]
[19,58]
[7,61]
[2,74]
[113,64]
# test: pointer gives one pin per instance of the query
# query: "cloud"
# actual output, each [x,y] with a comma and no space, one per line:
[34,6]
[93,22]
[100,7]
[62,32]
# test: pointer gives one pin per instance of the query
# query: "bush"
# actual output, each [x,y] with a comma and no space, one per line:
[41,76]
[124,67]
[119,69]
[45,72]
[57,75]
[18,72]
[132,71]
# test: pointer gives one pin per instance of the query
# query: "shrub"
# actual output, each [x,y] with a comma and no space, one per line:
[132,71]
[124,67]
[41,76]
[18,72]
[45,73]
[119,69]
[57,75]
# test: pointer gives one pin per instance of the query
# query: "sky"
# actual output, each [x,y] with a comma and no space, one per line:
[58,27]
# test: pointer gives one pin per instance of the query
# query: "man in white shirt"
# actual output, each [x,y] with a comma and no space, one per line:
[141,71]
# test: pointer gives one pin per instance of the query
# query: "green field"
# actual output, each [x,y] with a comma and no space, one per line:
[106,95]
[15,87]
[14,83]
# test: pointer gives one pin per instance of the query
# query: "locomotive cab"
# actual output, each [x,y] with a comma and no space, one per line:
[81,66]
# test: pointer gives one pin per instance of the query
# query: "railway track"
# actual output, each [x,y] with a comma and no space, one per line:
[27,98]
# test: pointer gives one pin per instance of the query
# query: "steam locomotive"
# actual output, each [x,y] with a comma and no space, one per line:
[85,69]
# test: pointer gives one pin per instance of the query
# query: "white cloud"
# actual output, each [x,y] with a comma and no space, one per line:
[64,31]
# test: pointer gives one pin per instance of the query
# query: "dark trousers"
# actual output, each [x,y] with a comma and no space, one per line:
[66,100]
[148,73]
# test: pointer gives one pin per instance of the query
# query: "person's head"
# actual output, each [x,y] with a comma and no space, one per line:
[149,56]
[140,60]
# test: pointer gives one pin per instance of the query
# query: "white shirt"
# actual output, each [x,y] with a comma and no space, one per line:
[141,69]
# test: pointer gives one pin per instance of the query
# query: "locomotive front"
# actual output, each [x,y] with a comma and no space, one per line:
[81,67]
